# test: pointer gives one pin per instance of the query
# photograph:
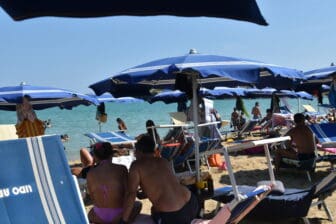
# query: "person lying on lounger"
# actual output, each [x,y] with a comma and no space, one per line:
[107,184]
[172,202]
[302,143]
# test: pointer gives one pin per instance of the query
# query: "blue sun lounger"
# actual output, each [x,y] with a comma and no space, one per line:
[239,209]
[326,133]
[293,203]
[115,138]
[36,185]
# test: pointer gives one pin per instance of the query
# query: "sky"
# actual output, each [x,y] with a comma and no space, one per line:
[74,53]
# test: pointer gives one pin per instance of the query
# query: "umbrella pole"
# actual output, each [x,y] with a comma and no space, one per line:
[195,120]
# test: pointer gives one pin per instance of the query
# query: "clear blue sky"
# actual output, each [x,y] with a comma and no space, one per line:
[73,53]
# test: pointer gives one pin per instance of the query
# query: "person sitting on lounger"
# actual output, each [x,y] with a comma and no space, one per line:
[107,184]
[172,202]
[302,143]
[267,118]
[235,119]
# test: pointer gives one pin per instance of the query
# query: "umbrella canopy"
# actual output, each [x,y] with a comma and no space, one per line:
[316,78]
[213,71]
[222,91]
[107,97]
[246,10]
[175,96]
[321,73]
[42,97]
[268,92]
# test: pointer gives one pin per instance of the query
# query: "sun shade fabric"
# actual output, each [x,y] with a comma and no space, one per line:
[245,10]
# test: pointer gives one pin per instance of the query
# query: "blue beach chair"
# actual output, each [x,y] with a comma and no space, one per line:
[114,138]
[36,185]
[293,203]
[239,209]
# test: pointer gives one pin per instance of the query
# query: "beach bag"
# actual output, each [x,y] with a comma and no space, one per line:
[215,160]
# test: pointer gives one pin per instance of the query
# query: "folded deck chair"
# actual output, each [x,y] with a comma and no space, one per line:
[115,138]
[7,132]
[293,203]
[234,212]
[36,185]
[248,127]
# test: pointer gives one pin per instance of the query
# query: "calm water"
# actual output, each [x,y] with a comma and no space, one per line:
[81,120]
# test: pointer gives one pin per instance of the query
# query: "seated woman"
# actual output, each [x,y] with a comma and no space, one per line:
[107,184]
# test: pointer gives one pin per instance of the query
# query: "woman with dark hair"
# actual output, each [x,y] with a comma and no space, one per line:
[107,183]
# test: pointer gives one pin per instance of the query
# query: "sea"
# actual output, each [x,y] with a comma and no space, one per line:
[82,119]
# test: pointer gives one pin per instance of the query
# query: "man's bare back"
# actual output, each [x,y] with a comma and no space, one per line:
[172,202]
[160,185]
[303,138]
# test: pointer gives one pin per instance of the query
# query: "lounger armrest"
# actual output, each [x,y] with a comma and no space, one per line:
[328,145]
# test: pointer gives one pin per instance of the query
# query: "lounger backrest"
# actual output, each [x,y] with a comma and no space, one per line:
[244,207]
[309,108]
[36,185]
[178,117]
[324,132]
[249,126]
[331,178]
[115,138]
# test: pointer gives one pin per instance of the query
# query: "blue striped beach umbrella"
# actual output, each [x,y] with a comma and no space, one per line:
[213,70]
[42,97]
[195,69]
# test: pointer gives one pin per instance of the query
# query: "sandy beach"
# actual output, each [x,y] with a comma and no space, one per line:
[251,169]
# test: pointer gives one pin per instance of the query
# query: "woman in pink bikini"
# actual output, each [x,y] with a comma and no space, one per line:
[106,186]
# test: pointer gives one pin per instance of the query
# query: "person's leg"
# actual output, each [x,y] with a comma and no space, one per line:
[85,157]
[283,153]
[136,211]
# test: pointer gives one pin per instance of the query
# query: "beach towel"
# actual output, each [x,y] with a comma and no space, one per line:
[28,128]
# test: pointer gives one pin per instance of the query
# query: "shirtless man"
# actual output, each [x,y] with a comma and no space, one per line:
[172,202]
[256,111]
[107,184]
[302,144]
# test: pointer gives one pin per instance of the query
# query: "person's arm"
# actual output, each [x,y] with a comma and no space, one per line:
[132,187]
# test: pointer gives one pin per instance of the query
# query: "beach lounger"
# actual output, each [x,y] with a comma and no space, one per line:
[7,132]
[326,134]
[36,185]
[249,127]
[293,203]
[115,138]
[178,118]
[236,211]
